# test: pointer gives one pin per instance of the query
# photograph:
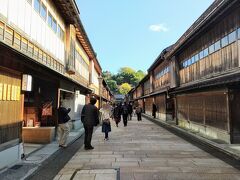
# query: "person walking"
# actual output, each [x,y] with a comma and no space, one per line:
[63,126]
[125,113]
[154,110]
[139,113]
[117,113]
[130,111]
[89,118]
[105,117]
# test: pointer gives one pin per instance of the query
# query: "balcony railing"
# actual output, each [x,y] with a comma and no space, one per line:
[15,40]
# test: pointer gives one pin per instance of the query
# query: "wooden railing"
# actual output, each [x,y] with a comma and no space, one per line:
[15,40]
[10,132]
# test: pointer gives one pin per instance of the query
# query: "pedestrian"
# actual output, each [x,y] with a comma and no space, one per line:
[154,110]
[89,118]
[63,126]
[117,113]
[125,113]
[105,117]
[134,110]
[139,113]
[130,111]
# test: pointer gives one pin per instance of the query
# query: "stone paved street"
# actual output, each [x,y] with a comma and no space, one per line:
[143,151]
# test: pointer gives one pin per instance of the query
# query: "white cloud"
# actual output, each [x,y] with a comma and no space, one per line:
[159,28]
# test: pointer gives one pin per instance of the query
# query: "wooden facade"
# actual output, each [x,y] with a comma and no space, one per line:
[55,51]
[195,82]
[214,52]
[10,106]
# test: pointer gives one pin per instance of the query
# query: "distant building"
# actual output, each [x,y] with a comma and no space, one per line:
[119,98]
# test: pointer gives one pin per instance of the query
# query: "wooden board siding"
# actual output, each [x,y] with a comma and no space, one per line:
[234,103]
[160,101]
[208,108]
[147,87]
[221,60]
[139,91]
[162,82]
[10,108]
[148,105]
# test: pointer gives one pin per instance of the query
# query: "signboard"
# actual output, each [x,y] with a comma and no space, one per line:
[26,82]
[47,109]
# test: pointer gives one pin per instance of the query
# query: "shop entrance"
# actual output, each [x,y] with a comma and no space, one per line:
[40,112]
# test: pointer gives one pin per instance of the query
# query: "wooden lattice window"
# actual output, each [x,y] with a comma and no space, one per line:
[24,45]
[9,35]
[17,40]
[1,30]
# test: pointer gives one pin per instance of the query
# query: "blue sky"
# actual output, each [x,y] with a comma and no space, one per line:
[133,32]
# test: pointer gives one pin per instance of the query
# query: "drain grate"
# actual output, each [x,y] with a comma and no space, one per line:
[109,173]
[16,167]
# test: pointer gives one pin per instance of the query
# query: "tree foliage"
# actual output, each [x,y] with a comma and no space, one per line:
[124,88]
[125,75]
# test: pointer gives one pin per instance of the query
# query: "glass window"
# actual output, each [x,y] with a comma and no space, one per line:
[232,37]
[193,59]
[211,49]
[185,64]
[54,25]
[58,31]
[238,33]
[37,5]
[205,52]
[189,62]
[217,45]
[49,19]
[196,57]
[201,55]
[43,11]
[224,41]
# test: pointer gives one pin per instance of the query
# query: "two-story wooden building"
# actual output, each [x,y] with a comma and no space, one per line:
[198,77]
[45,57]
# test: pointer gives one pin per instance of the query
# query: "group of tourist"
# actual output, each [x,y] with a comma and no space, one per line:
[91,116]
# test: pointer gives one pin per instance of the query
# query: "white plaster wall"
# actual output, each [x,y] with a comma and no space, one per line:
[21,14]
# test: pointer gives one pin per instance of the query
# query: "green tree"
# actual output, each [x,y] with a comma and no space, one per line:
[124,88]
[139,75]
[124,75]
[112,85]
[107,75]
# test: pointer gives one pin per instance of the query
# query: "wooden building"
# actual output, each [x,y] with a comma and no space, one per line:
[197,79]
[45,57]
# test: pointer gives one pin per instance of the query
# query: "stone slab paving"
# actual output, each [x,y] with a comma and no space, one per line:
[145,151]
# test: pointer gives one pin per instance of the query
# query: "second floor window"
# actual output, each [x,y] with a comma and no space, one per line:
[43,11]
[37,5]
[49,19]
[54,25]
